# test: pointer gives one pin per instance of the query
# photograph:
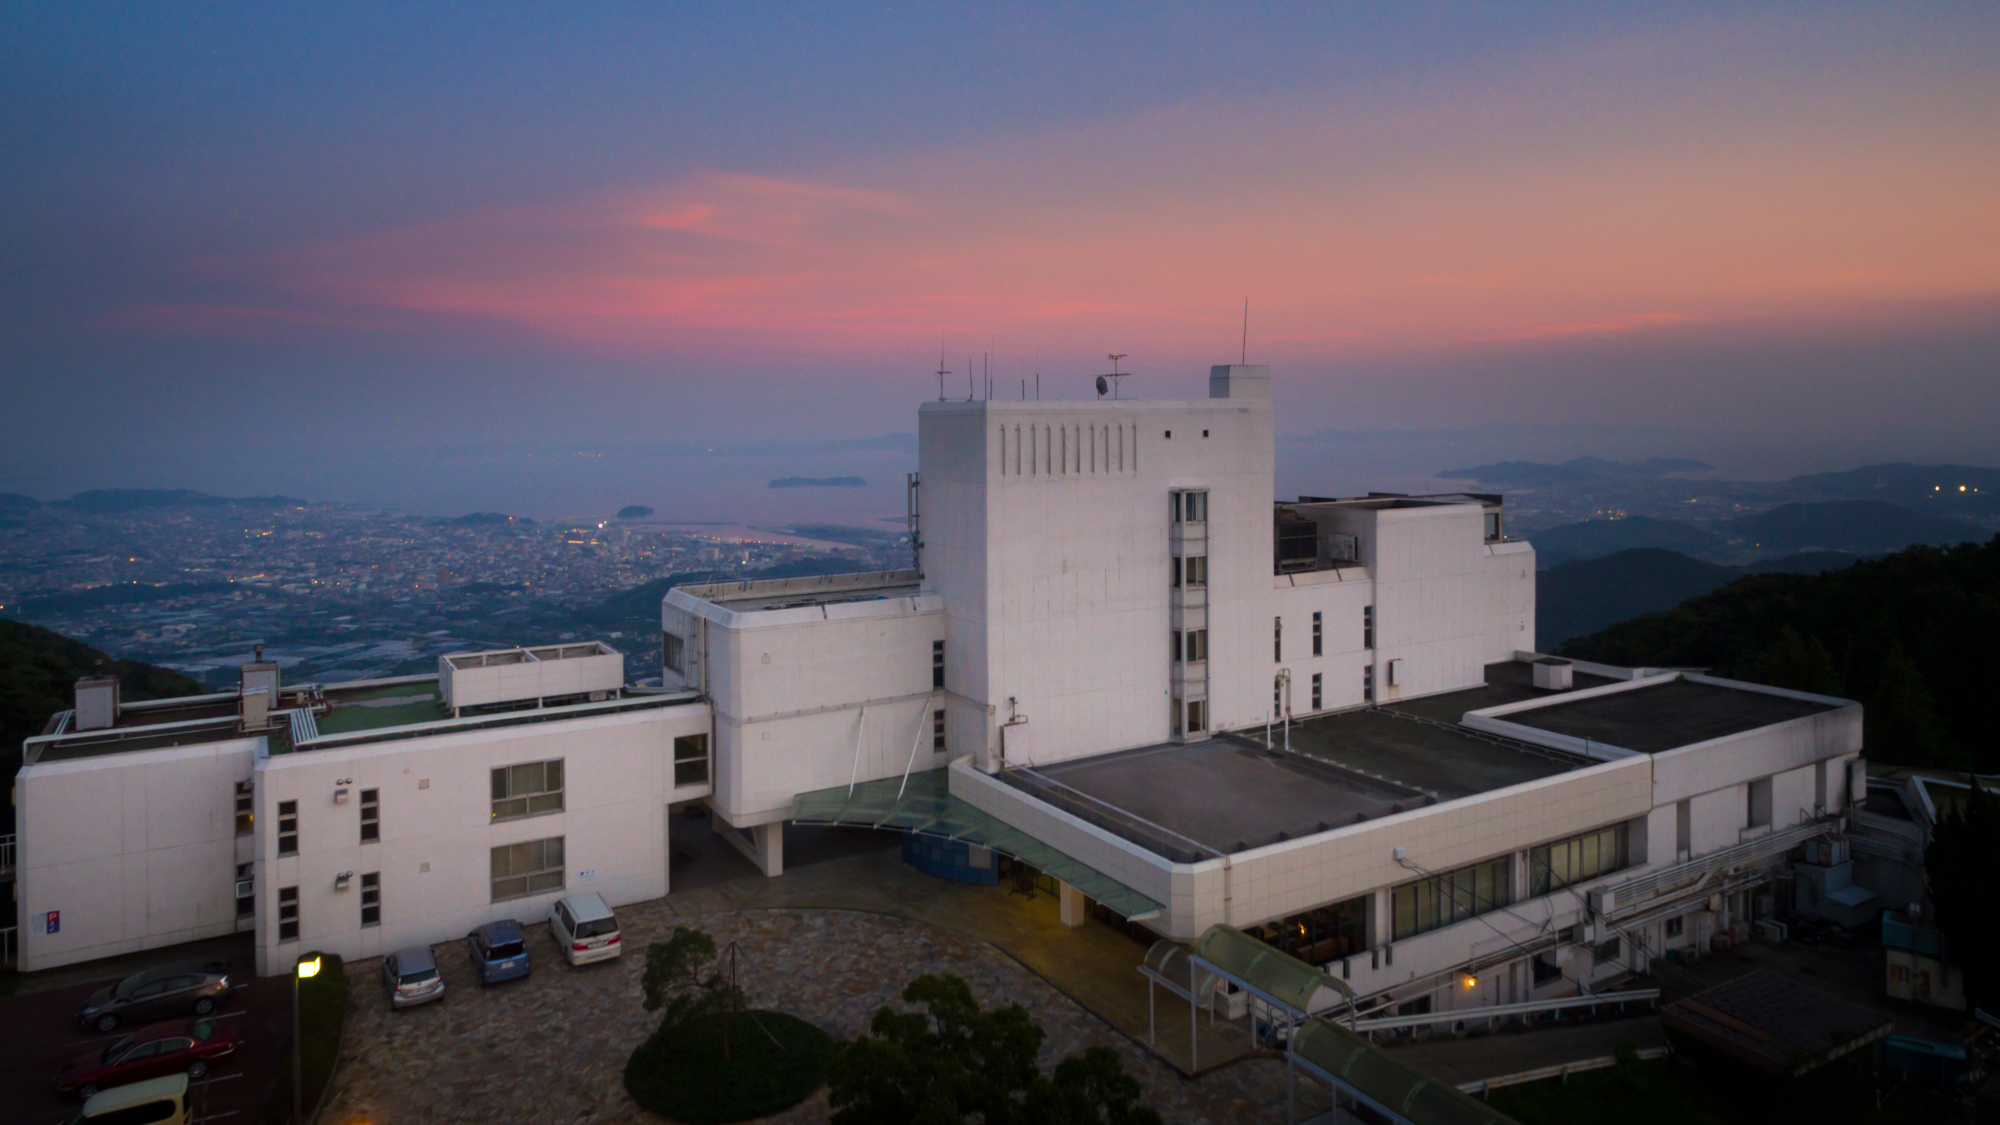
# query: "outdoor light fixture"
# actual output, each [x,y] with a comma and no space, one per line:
[1471,981]
[341,880]
[309,969]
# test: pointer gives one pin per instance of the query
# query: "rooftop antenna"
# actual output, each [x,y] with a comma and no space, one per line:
[1245,356]
[968,378]
[1038,377]
[1114,375]
[942,370]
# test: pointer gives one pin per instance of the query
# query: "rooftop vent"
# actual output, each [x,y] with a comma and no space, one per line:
[1553,674]
[472,679]
[96,703]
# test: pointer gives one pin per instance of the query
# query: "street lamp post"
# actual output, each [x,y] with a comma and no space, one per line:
[305,969]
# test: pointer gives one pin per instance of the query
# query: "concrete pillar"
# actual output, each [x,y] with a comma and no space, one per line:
[1072,906]
[770,844]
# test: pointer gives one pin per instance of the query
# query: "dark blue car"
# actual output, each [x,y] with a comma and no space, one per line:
[497,951]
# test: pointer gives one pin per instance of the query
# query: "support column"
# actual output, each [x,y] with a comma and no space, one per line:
[770,843]
[1072,906]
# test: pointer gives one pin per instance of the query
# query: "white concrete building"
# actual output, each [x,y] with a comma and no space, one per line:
[1107,613]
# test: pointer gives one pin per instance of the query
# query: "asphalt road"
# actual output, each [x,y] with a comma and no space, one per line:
[38,1033]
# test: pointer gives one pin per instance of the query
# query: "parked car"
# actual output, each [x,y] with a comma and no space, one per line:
[199,987]
[412,977]
[498,952]
[156,1101]
[188,1046]
[584,928]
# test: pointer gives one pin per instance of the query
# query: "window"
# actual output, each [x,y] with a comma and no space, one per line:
[528,869]
[371,898]
[246,890]
[937,664]
[1453,896]
[288,828]
[1318,696]
[246,812]
[1676,927]
[1760,802]
[1194,645]
[673,653]
[1546,971]
[1318,643]
[1195,568]
[1604,952]
[371,815]
[1368,683]
[937,732]
[1367,626]
[690,759]
[1187,507]
[529,789]
[288,914]
[1197,715]
[1551,867]
[1278,639]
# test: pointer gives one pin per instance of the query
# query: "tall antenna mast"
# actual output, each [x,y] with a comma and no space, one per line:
[1245,356]
[942,370]
[1114,375]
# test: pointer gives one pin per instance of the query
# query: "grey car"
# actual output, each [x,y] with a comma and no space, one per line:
[412,977]
[177,989]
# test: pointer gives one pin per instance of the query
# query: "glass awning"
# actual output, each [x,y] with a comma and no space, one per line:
[925,804]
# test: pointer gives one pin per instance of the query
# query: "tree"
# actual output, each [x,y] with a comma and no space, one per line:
[953,1061]
[672,980]
[1901,719]
[1797,662]
[1958,864]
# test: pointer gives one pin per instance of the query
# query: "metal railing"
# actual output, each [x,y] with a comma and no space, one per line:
[8,849]
[1502,1011]
[1484,1086]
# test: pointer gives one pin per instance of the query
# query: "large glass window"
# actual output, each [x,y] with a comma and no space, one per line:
[529,789]
[288,828]
[528,869]
[1194,645]
[672,652]
[1551,867]
[1450,897]
[371,815]
[288,914]
[690,759]
[371,898]
[1188,507]
[245,807]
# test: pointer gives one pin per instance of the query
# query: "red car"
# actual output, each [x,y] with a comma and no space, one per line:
[189,1045]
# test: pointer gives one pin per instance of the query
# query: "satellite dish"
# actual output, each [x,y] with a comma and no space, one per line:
[1102,386]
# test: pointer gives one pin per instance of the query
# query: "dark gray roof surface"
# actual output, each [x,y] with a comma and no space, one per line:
[1666,716]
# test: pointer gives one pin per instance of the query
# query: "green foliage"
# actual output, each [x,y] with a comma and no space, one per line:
[1909,635]
[322,1015]
[1959,864]
[1797,662]
[672,983]
[954,1061]
[682,1073]
[38,673]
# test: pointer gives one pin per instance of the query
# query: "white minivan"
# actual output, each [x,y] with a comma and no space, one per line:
[584,928]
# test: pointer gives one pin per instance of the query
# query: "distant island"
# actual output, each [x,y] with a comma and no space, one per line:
[490,519]
[819,482]
[634,512]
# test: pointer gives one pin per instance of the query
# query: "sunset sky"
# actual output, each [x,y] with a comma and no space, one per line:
[358,251]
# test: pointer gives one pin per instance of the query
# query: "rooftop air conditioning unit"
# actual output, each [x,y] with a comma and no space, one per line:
[1554,674]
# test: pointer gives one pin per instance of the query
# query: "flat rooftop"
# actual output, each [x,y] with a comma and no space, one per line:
[1230,794]
[1222,795]
[824,589]
[1666,716]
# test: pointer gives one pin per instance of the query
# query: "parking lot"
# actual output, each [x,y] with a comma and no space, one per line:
[38,1034]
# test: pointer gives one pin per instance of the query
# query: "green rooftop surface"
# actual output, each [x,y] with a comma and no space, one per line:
[378,708]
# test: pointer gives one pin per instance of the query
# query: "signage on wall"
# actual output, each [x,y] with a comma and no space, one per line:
[588,873]
[50,923]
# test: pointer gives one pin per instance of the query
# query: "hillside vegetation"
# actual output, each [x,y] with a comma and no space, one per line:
[38,674]
[1911,635]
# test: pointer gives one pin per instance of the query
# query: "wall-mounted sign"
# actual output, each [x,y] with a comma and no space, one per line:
[54,923]
[590,873]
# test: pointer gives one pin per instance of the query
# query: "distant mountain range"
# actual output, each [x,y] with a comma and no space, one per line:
[1579,598]
[819,482]
[1574,471]
[103,501]
[1858,527]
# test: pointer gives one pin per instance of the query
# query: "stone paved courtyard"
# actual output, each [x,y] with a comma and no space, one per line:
[552,1048]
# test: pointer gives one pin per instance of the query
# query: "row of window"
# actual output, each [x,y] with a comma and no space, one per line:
[518,870]
[1453,896]
[1319,633]
[518,791]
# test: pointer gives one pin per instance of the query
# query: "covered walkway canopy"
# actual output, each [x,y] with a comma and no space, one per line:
[925,804]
